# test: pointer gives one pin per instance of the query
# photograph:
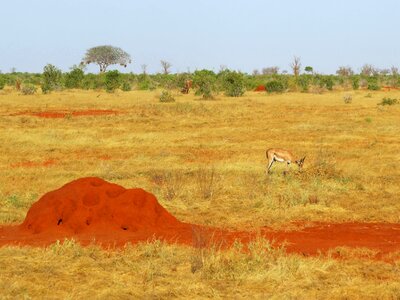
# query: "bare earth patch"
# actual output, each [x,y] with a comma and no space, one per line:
[33,164]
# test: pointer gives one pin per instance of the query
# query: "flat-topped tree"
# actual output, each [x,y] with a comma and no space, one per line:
[105,56]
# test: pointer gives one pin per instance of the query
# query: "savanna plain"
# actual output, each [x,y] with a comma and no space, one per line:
[205,161]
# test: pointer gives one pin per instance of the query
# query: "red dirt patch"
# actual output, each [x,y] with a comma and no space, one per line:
[260,88]
[388,88]
[32,164]
[91,209]
[64,114]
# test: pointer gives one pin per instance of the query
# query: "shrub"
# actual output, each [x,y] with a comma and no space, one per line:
[2,82]
[51,79]
[388,101]
[304,82]
[347,98]
[329,82]
[112,81]
[166,96]
[126,86]
[73,79]
[92,81]
[145,82]
[275,86]
[205,83]
[28,89]
[233,83]
[373,84]
[355,83]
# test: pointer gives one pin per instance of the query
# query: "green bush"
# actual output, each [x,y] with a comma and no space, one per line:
[205,83]
[388,101]
[275,86]
[373,84]
[2,82]
[166,96]
[93,81]
[233,83]
[51,79]
[112,81]
[355,82]
[303,82]
[145,82]
[126,86]
[328,81]
[28,89]
[73,79]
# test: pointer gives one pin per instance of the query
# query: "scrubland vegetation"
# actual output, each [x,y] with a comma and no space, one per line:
[205,162]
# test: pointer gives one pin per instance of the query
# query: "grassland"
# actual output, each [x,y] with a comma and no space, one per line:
[205,161]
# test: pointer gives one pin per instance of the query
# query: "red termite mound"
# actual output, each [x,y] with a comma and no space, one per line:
[91,208]
[89,204]
[260,88]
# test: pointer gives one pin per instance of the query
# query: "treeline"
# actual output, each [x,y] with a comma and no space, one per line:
[205,83]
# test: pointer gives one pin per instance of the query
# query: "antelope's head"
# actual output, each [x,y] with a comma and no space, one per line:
[300,162]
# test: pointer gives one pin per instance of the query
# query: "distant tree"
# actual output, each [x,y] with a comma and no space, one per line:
[165,67]
[344,71]
[296,65]
[256,72]
[309,69]
[144,69]
[270,70]
[369,70]
[105,56]
[394,70]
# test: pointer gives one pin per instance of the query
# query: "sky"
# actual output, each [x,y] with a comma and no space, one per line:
[239,34]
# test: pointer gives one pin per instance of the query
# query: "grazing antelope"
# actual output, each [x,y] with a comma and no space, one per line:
[282,155]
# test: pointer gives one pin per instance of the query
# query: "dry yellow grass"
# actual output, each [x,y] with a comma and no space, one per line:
[205,161]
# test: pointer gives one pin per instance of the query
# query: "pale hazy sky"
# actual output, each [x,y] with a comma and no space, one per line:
[240,34]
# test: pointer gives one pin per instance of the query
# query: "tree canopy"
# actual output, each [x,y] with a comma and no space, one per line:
[105,56]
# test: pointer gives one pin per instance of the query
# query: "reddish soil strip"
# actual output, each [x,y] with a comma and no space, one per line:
[63,114]
[32,164]
[388,88]
[91,209]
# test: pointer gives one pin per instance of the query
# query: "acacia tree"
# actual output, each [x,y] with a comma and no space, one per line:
[165,66]
[345,71]
[105,56]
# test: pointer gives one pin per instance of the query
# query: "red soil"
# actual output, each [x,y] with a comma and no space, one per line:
[63,114]
[32,164]
[93,210]
[388,88]
[260,88]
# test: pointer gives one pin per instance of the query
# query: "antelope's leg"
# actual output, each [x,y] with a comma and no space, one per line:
[270,165]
